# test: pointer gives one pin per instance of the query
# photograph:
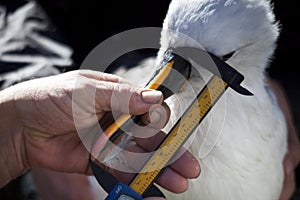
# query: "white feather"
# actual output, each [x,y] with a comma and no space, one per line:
[242,142]
[249,131]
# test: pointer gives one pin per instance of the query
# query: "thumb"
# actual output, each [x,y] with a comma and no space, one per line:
[126,98]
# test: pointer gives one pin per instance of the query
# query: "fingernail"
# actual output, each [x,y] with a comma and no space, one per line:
[151,96]
[154,117]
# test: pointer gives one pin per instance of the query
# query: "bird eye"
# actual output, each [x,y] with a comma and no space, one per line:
[227,56]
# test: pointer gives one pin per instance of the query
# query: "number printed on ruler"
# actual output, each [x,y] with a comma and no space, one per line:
[179,134]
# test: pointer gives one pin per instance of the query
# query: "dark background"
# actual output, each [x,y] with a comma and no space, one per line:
[84,24]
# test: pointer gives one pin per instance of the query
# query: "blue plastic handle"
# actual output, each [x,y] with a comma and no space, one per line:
[123,192]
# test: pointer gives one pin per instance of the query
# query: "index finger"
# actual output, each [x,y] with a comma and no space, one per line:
[102,76]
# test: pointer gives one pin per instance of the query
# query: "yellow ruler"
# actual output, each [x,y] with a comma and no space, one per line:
[179,134]
[164,79]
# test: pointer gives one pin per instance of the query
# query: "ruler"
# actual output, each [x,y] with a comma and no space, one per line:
[178,135]
[224,76]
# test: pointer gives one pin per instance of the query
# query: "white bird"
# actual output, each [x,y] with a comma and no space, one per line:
[242,142]
[245,137]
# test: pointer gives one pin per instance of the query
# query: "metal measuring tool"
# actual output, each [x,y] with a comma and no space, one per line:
[224,76]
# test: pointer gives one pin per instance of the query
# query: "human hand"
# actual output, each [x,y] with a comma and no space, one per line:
[291,161]
[44,133]
[292,157]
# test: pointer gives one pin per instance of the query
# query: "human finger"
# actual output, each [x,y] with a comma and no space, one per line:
[184,163]
[125,98]
[99,76]
[170,179]
[157,117]
[289,184]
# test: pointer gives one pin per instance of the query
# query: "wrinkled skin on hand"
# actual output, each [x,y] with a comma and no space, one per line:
[45,135]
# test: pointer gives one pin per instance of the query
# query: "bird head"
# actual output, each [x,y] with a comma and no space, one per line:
[241,32]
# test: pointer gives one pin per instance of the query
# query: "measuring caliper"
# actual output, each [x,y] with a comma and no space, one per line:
[170,76]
